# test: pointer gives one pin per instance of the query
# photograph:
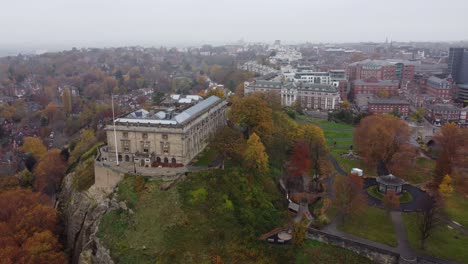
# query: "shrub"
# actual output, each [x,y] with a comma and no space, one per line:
[84,175]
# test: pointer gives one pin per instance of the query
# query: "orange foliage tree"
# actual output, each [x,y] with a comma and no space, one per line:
[28,227]
[379,137]
[452,141]
[49,172]
[349,196]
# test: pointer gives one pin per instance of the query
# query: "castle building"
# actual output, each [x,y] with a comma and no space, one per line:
[170,137]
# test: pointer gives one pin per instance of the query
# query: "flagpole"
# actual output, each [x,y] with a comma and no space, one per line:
[115,134]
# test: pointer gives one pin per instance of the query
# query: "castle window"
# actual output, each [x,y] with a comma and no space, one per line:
[145,135]
[125,145]
[145,145]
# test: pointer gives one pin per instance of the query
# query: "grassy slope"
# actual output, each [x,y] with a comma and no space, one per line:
[456,206]
[444,242]
[378,226]
[177,226]
[316,252]
[173,227]
[138,238]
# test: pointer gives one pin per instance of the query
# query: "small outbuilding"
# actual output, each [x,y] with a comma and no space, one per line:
[390,183]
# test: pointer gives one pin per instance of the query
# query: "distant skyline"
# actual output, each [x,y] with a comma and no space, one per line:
[62,24]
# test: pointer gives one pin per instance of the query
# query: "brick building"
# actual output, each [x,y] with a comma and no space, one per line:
[373,86]
[382,70]
[444,112]
[387,105]
[439,88]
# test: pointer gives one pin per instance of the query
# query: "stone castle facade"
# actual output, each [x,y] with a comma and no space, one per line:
[168,138]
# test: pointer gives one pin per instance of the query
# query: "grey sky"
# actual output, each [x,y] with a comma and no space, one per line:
[67,23]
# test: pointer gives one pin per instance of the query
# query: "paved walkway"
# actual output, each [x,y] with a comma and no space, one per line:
[403,244]
[336,165]
[454,225]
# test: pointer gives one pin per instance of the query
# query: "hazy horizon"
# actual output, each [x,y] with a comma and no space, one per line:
[55,24]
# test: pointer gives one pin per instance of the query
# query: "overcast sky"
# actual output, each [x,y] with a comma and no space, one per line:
[68,23]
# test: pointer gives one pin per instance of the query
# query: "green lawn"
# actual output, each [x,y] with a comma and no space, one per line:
[342,134]
[373,224]
[207,156]
[324,123]
[316,252]
[456,207]
[422,171]
[444,243]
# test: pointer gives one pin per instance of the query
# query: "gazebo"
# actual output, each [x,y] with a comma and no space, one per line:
[390,183]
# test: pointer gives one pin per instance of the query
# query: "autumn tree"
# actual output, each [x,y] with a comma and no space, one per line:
[349,196]
[216,92]
[42,247]
[34,146]
[28,228]
[87,139]
[299,233]
[284,137]
[452,140]
[67,100]
[418,115]
[49,172]
[254,113]
[427,221]
[255,158]
[345,104]
[391,201]
[52,112]
[403,161]
[229,143]
[378,137]
[240,90]
[299,164]
[445,187]
[25,178]
[383,94]
[313,136]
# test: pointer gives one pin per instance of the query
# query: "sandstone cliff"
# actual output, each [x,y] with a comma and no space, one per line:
[81,213]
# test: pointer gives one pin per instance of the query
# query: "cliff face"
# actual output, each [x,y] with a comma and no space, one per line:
[81,213]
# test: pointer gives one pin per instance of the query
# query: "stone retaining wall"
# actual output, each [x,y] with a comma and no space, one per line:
[373,253]
[378,255]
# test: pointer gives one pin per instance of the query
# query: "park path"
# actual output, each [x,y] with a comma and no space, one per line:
[454,225]
[403,244]
[336,165]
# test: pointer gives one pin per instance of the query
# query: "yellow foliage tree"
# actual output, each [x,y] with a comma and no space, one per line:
[34,146]
[67,100]
[445,187]
[256,159]
[345,104]
[253,111]
[216,92]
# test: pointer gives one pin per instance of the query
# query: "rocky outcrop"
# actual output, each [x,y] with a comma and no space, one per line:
[82,213]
